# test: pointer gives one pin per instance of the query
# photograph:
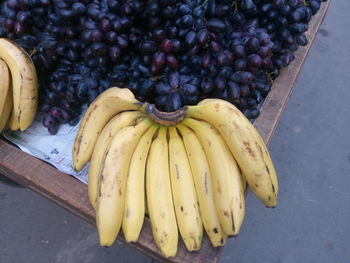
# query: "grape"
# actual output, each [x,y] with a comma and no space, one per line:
[170,53]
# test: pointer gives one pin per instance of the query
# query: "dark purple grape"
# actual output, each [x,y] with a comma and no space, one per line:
[252,44]
[216,25]
[172,61]
[242,77]
[148,47]
[159,35]
[215,46]
[206,59]
[166,46]
[240,64]
[176,45]
[122,42]
[233,91]
[244,90]
[189,90]
[174,79]
[302,40]
[207,85]
[173,102]
[239,51]
[254,61]
[190,38]
[220,83]
[193,51]
[203,36]
[96,35]
[159,59]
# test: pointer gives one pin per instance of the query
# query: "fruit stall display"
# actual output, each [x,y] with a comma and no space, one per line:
[172,89]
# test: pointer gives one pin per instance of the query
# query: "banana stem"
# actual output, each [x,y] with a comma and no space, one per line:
[162,117]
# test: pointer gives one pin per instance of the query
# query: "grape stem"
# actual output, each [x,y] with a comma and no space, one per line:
[164,118]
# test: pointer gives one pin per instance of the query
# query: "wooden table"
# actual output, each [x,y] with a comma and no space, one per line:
[71,194]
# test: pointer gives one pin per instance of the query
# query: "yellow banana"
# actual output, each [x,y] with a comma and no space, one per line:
[159,198]
[134,212]
[6,111]
[184,194]
[24,83]
[112,182]
[106,105]
[245,144]
[118,122]
[228,189]
[4,85]
[203,184]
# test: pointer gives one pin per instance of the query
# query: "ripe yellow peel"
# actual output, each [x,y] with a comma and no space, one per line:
[184,194]
[24,83]
[204,187]
[245,144]
[134,212]
[112,182]
[159,197]
[118,122]
[106,106]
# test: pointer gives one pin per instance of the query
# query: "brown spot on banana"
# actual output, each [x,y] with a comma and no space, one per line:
[267,169]
[120,192]
[226,213]
[127,212]
[219,189]
[249,149]
[217,107]
[181,208]
[206,182]
[177,172]
[215,230]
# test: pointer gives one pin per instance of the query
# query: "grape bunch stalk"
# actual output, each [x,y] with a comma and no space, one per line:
[168,53]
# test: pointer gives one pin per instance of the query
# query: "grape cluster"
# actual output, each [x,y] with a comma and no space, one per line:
[167,52]
[286,21]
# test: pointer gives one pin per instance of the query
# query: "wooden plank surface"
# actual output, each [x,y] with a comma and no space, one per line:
[71,194]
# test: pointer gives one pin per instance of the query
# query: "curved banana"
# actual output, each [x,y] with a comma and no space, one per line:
[6,110]
[184,194]
[4,85]
[112,182]
[106,105]
[118,122]
[24,82]
[203,184]
[245,144]
[159,197]
[134,212]
[228,188]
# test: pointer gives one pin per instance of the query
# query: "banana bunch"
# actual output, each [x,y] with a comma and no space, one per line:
[18,87]
[190,168]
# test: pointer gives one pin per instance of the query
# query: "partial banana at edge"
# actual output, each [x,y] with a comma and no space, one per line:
[112,181]
[134,212]
[245,144]
[184,194]
[24,83]
[5,95]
